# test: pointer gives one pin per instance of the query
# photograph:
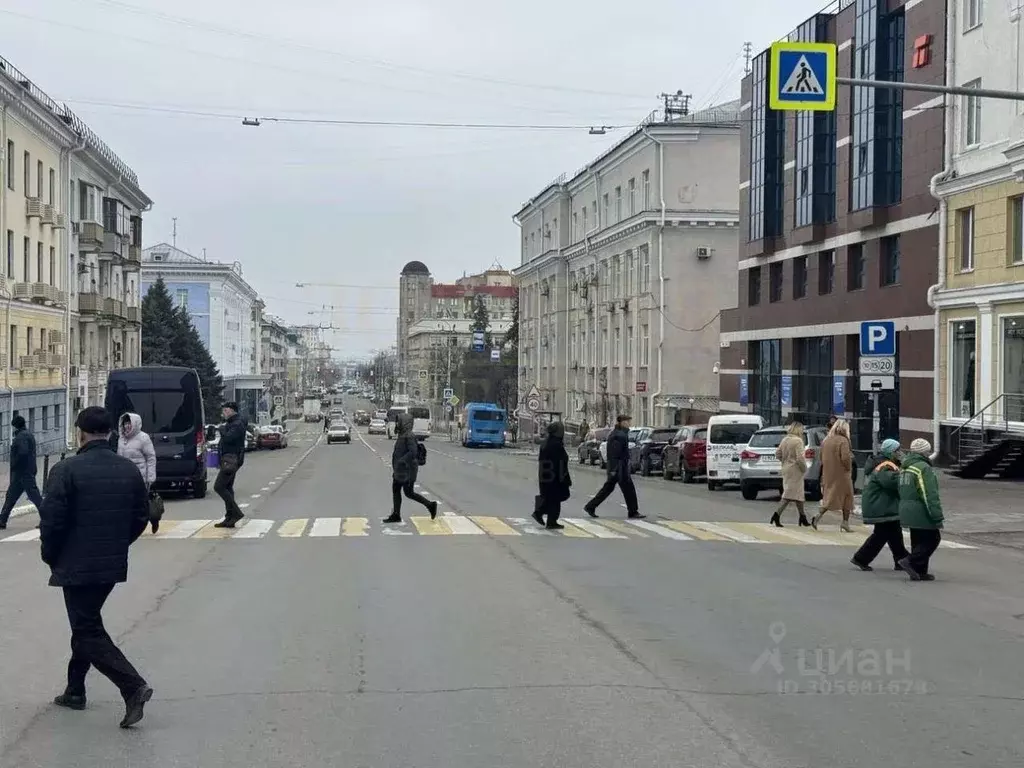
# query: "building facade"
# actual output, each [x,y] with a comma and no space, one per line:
[221,304]
[45,149]
[435,347]
[839,226]
[623,270]
[980,297]
[274,362]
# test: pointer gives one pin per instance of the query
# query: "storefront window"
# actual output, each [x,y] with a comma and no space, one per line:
[961,368]
[767,379]
[1013,367]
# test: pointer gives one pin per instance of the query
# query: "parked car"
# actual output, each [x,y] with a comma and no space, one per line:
[728,435]
[252,437]
[381,414]
[603,449]
[589,451]
[274,436]
[361,418]
[646,456]
[813,438]
[759,469]
[377,427]
[686,454]
[338,432]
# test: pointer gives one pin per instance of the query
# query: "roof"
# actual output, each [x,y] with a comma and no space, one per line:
[415,268]
[450,291]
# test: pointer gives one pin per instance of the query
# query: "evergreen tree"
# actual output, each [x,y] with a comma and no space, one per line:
[158,325]
[194,354]
[481,319]
[512,335]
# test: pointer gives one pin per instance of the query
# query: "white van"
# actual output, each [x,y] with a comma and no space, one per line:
[727,435]
[421,424]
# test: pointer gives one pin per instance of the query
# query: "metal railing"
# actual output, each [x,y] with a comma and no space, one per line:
[988,425]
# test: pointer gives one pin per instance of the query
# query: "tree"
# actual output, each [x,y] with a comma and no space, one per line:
[158,325]
[512,335]
[481,320]
[198,357]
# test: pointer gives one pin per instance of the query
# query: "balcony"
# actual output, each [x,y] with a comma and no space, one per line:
[34,208]
[28,363]
[114,247]
[49,215]
[89,303]
[60,220]
[133,259]
[90,236]
[134,315]
[43,293]
[113,308]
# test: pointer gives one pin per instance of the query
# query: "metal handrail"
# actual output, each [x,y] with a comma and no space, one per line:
[998,418]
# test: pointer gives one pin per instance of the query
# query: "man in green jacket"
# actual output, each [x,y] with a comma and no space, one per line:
[920,510]
[880,507]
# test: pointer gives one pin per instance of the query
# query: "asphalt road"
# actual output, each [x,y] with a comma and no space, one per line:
[311,637]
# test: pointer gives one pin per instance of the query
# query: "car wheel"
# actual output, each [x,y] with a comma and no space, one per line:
[689,476]
[645,467]
[199,490]
[666,472]
[749,491]
[712,485]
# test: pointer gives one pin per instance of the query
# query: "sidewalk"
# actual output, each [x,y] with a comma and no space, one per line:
[991,511]
[24,507]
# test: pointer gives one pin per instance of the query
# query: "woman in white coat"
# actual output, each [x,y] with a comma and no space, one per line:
[136,446]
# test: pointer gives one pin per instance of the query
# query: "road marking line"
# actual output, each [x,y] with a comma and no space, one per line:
[428,527]
[32,535]
[210,532]
[661,530]
[690,530]
[805,538]
[246,505]
[326,526]
[494,526]
[594,529]
[292,529]
[183,530]
[265,488]
[530,526]
[392,529]
[843,539]
[254,529]
[725,532]
[767,533]
[625,530]
[574,532]
[354,526]
[254,496]
[461,526]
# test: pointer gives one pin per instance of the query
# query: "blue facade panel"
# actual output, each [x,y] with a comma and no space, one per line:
[196,296]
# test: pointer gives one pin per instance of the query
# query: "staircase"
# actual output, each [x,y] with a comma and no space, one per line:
[991,443]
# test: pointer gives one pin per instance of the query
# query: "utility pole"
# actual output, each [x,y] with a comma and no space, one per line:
[676,104]
[748,52]
[174,232]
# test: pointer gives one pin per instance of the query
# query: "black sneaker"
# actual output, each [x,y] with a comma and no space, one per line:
[554,526]
[433,510]
[228,522]
[909,570]
[590,511]
[927,577]
[538,517]
[393,518]
[134,705]
[859,564]
[636,516]
[70,701]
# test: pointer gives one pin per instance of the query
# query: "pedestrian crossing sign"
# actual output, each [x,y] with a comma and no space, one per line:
[803,77]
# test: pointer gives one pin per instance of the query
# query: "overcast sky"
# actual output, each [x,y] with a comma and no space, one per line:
[352,204]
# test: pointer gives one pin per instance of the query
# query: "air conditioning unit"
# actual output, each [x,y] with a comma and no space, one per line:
[703,252]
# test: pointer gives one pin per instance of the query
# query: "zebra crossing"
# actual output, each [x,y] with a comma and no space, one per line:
[256,529]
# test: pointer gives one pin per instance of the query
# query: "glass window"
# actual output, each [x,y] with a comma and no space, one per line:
[632,197]
[815,149]
[731,434]
[775,282]
[799,277]
[10,164]
[961,368]
[767,439]
[618,204]
[889,260]
[767,135]
[862,118]
[972,116]
[855,267]
[812,384]
[889,111]
[1016,249]
[754,286]
[972,14]
[182,297]
[965,239]
[826,272]
[1013,367]
[766,383]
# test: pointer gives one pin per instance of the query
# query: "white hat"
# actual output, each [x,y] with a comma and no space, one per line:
[921,446]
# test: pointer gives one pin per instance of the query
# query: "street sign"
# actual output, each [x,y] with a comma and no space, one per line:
[453,401]
[533,393]
[878,366]
[878,338]
[495,355]
[448,392]
[641,386]
[877,383]
[449,408]
[478,341]
[533,404]
[803,77]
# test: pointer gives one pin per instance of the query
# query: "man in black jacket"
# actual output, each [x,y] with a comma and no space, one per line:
[618,472]
[23,470]
[232,457]
[404,469]
[96,506]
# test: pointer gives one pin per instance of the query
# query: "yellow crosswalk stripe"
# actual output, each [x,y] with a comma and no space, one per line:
[625,530]
[495,526]
[767,533]
[165,526]
[354,526]
[209,532]
[573,532]
[427,527]
[842,538]
[292,529]
[692,530]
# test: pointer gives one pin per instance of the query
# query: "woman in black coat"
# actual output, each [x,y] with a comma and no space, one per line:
[553,477]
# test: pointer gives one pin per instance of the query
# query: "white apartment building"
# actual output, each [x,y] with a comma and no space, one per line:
[432,344]
[625,266]
[221,305]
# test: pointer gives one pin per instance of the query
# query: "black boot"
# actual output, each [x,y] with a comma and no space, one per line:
[776,521]
[70,701]
[134,705]
[433,510]
[538,517]
[804,522]
[393,518]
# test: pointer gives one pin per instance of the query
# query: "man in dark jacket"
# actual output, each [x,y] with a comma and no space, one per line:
[618,471]
[96,506]
[232,457]
[23,470]
[880,507]
[553,477]
[404,469]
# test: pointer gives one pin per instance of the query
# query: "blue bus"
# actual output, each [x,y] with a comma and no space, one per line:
[483,424]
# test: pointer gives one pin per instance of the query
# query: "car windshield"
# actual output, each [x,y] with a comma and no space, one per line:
[700,434]
[487,415]
[766,439]
[662,435]
[736,434]
[419,413]
[634,434]
[162,411]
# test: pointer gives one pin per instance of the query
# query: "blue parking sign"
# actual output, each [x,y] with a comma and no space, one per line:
[878,338]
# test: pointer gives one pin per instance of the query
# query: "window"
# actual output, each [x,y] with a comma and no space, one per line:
[1016,245]
[585,230]
[39,179]
[604,346]
[630,273]
[753,286]
[618,204]
[52,199]
[862,133]
[575,227]
[972,14]
[645,344]
[889,261]
[775,282]
[815,199]
[32,419]
[965,239]
[629,345]
[645,269]
[766,383]
[767,135]
[632,197]
[10,254]
[855,267]
[645,179]
[182,297]
[799,277]
[30,347]
[57,423]
[10,165]
[89,205]
[606,281]
[26,276]
[972,116]
[812,384]
[593,211]
[826,272]
[616,277]
[12,343]
[46,418]
[605,221]
[889,111]
[962,345]
[39,262]
[53,265]
[617,348]
[1013,367]
[26,172]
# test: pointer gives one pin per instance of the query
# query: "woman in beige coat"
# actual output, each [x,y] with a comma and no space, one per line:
[836,475]
[794,466]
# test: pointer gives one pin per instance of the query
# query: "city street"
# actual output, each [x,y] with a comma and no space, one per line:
[312,635]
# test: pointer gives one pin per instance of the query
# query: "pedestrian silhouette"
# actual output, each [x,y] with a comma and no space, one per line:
[803,84]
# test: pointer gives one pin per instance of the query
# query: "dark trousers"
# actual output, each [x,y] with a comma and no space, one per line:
[398,487]
[923,543]
[551,507]
[890,533]
[20,484]
[224,486]
[624,480]
[91,646]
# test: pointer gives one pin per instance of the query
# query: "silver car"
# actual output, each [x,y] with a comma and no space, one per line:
[759,469]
